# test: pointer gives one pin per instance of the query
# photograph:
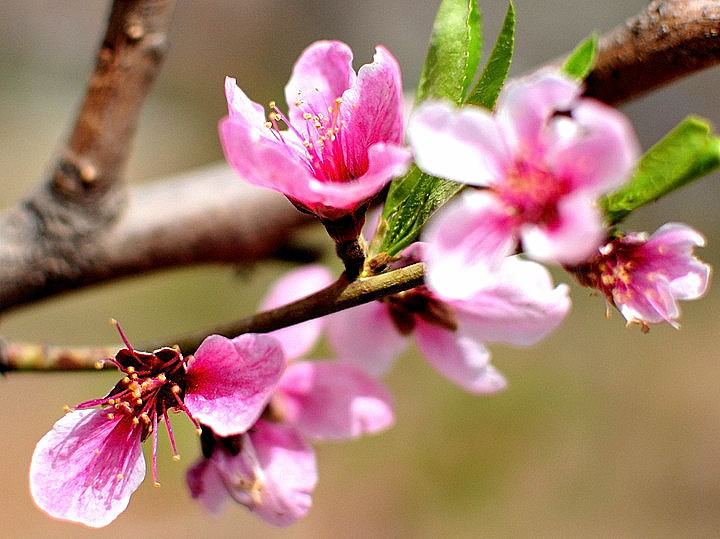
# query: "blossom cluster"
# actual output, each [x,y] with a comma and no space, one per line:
[535,168]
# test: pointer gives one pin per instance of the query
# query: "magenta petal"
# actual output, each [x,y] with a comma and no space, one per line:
[372,110]
[87,467]
[463,145]
[460,358]
[274,475]
[230,381]
[521,308]
[466,242]
[366,337]
[206,485]
[526,105]
[600,153]
[573,238]
[333,400]
[299,339]
[321,74]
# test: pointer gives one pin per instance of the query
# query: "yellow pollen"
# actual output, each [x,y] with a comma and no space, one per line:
[338,100]
[298,103]
[156,484]
[175,389]
[176,458]
[134,376]
[126,380]
[119,476]
[271,104]
[111,416]
[67,409]
[99,364]
[138,402]
[198,431]
[135,421]
[130,370]
[268,125]
[112,402]
[97,451]
[307,116]
[161,377]
[145,418]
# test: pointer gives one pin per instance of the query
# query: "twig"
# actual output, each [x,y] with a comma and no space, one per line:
[336,297]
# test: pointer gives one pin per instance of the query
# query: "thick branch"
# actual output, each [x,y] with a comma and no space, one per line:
[128,61]
[668,40]
[336,297]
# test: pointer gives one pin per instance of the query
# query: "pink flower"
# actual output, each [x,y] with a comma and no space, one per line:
[645,277]
[520,307]
[87,467]
[343,138]
[271,468]
[545,156]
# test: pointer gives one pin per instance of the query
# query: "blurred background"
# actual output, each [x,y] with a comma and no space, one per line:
[602,432]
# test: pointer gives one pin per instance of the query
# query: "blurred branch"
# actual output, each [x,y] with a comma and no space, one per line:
[336,297]
[668,40]
[80,229]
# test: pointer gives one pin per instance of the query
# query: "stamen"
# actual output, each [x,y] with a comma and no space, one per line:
[122,334]
[171,437]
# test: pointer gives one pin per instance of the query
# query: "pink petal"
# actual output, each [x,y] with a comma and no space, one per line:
[372,109]
[467,240]
[525,107]
[366,337]
[573,238]
[333,400]
[299,339]
[87,467]
[206,485]
[460,358]
[230,381]
[673,244]
[263,161]
[463,145]
[521,308]
[285,479]
[601,153]
[241,108]
[321,75]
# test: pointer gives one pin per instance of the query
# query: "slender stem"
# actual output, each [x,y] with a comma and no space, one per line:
[336,297]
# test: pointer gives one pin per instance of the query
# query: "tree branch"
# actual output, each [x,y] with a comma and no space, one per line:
[668,40]
[336,297]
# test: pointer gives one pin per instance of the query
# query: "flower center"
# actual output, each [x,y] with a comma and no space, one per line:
[153,384]
[533,192]
[320,133]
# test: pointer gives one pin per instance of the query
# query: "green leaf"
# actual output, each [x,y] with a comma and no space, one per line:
[405,224]
[582,59]
[496,69]
[685,154]
[454,53]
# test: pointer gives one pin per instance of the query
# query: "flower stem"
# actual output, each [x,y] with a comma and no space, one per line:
[340,295]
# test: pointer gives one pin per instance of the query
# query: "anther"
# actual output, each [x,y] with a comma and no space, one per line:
[119,476]
[99,364]
[67,409]
[161,377]
[111,416]
[176,458]
[156,484]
